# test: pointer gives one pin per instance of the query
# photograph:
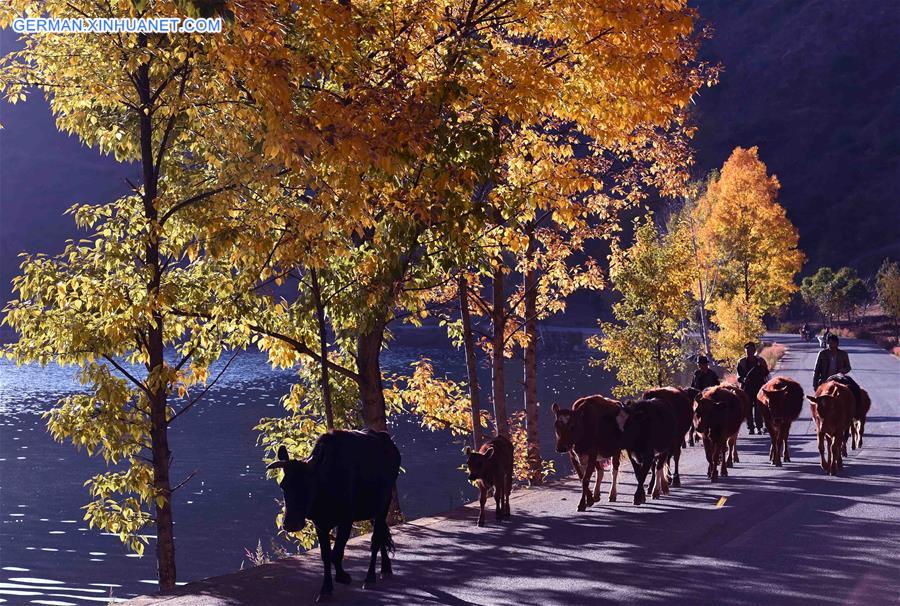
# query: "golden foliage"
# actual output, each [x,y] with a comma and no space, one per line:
[745,236]
[738,322]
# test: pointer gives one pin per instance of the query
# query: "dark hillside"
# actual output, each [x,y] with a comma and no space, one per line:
[816,85]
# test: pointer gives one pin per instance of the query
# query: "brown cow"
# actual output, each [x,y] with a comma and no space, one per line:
[746,403]
[832,409]
[782,401]
[681,406]
[718,417]
[589,431]
[492,467]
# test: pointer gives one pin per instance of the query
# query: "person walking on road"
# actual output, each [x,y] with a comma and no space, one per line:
[753,372]
[704,376]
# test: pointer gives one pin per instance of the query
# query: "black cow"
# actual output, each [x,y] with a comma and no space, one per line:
[650,434]
[350,476]
[682,406]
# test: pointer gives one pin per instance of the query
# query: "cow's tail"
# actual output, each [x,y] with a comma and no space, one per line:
[383,536]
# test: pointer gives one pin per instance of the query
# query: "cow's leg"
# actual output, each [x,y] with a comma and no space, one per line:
[820,441]
[725,449]
[660,485]
[482,499]
[325,551]
[576,464]
[676,479]
[596,496]
[709,449]
[380,538]
[844,440]
[337,554]
[664,473]
[862,431]
[614,489]
[734,449]
[836,444]
[586,499]
[786,432]
[839,459]
[499,492]
[640,473]
[386,545]
[775,437]
[507,492]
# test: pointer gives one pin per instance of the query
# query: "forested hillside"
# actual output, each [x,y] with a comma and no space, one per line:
[816,85]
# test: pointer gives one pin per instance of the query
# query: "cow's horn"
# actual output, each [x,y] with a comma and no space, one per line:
[276,465]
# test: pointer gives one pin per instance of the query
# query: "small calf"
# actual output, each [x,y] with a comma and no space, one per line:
[492,467]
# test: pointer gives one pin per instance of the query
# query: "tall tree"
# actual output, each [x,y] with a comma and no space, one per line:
[747,237]
[653,277]
[113,304]
[448,108]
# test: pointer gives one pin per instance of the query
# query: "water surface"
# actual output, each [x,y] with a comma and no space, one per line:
[49,556]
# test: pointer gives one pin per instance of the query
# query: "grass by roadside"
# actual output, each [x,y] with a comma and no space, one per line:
[772,354]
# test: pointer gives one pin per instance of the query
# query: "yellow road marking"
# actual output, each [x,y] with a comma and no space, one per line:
[721,501]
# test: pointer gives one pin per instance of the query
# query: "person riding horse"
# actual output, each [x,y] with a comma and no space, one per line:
[753,372]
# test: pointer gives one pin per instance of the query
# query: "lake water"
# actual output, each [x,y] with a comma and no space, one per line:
[49,556]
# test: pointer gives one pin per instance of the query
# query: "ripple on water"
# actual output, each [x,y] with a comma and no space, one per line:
[15,569]
[35,581]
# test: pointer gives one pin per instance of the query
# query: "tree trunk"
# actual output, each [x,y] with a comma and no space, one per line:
[471,362]
[746,283]
[531,399]
[323,349]
[159,441]
[498,324]
[371,393]
[162,459]
[704,327]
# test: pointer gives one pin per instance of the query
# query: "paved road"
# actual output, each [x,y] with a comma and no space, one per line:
[782,536]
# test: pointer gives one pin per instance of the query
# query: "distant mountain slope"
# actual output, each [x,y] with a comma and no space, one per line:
[816,85]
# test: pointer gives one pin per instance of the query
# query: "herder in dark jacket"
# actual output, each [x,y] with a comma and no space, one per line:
[831,361]
[753,372]
[704,376]
[834,361]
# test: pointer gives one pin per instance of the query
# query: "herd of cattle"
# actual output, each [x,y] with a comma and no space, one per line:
[653,430]
[351,475]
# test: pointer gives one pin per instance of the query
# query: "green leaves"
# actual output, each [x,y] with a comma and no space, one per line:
[644,345]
